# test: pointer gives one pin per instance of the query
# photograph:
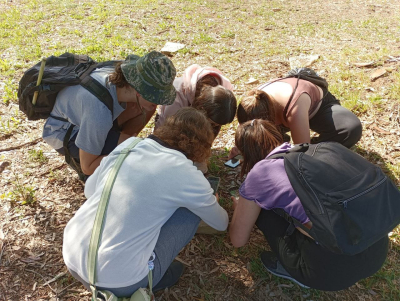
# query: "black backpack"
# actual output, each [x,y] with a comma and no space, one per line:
[59,72]
[351,203]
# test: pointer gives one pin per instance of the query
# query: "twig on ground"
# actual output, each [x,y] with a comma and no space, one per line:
[21,145]
[55,168]
[55,278]
[64,290]
[43,279]
[182,261]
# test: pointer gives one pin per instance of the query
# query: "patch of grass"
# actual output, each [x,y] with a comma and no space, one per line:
[10,92]
[258,269]
[9,126]
[202,38]
[228,34]
[37,156]
[21,194]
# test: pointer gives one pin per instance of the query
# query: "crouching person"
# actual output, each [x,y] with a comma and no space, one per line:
[156,204]
[295,256]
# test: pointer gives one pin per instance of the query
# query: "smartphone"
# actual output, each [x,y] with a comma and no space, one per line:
[234,162]
[214,182]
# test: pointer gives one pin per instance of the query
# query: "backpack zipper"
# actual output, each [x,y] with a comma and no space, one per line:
[305,181]
[344,203]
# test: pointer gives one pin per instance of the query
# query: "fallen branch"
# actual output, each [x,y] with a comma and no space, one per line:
[182,261]
[53,169]
[19,146]
[55,278]
[31,271]
[64,290]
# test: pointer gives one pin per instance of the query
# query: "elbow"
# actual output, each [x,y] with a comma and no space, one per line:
[86,169]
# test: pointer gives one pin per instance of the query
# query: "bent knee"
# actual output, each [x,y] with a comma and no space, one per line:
[353,130]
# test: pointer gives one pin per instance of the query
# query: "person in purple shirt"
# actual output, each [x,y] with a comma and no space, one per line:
[297,256]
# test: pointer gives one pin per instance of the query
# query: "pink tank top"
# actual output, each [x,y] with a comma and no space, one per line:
[303,87]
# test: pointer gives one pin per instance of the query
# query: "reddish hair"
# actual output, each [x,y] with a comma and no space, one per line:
[256,139]
[117,78]
[217,102]
[256,104]
[188,130]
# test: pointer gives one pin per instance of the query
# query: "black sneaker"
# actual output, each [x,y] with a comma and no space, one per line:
[170,277]
[272,264]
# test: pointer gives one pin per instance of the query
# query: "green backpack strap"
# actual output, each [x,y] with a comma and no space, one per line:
[99,219]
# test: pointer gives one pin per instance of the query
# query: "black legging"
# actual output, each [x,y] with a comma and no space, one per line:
[313,265]
[335,123]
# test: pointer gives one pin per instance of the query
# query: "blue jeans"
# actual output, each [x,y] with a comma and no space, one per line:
[176,233]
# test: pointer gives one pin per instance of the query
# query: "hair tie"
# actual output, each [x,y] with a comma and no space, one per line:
[252,122]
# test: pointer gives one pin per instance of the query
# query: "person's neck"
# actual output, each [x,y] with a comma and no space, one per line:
[126,94]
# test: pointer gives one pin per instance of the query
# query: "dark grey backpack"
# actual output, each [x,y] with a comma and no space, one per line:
[351,203]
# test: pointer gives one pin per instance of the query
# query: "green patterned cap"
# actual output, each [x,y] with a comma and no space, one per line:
[152,76]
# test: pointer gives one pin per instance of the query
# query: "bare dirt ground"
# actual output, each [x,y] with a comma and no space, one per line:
[245,39]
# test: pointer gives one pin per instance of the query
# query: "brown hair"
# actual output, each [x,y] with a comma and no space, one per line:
[256,139]
[217,102]
[256,104]
[117,78]
[188,130]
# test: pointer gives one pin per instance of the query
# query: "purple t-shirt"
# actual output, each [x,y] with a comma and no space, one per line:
[268,185]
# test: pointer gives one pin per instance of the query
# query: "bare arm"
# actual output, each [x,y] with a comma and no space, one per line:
[89,162]
[134,125]
[233,152]
[244,217]
[298,120]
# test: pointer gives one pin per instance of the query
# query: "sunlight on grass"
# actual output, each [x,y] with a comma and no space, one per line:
[244,39]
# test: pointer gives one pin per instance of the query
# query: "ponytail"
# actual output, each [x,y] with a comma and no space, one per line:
[256,104]
[256,139]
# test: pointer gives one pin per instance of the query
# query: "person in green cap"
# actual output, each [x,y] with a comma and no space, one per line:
[136,85]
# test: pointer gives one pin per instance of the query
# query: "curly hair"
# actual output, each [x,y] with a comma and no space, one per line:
[217,102]
[256,139]
[117,78]
[256,104]
[189,131]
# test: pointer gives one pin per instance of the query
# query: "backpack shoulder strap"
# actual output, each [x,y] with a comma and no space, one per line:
[100,213]
[94,87]
[98,90]
[294,223]
[298,148]
[285,110]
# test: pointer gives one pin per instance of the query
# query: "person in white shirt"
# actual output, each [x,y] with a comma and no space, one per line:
[156,204]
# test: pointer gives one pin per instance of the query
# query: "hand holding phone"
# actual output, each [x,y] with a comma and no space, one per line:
[214,182]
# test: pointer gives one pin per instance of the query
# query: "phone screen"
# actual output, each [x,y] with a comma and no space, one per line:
[214,182]
[234,162]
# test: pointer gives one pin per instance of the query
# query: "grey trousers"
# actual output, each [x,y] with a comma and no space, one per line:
[174,236]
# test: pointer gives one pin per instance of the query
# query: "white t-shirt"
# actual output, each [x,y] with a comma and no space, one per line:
[152,183]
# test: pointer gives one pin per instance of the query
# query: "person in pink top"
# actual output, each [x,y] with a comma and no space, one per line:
[206,89]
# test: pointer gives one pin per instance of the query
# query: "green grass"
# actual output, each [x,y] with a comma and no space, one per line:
[37,156]
[243,39]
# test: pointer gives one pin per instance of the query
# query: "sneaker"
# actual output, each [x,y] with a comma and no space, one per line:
[170,277]
[272,264]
